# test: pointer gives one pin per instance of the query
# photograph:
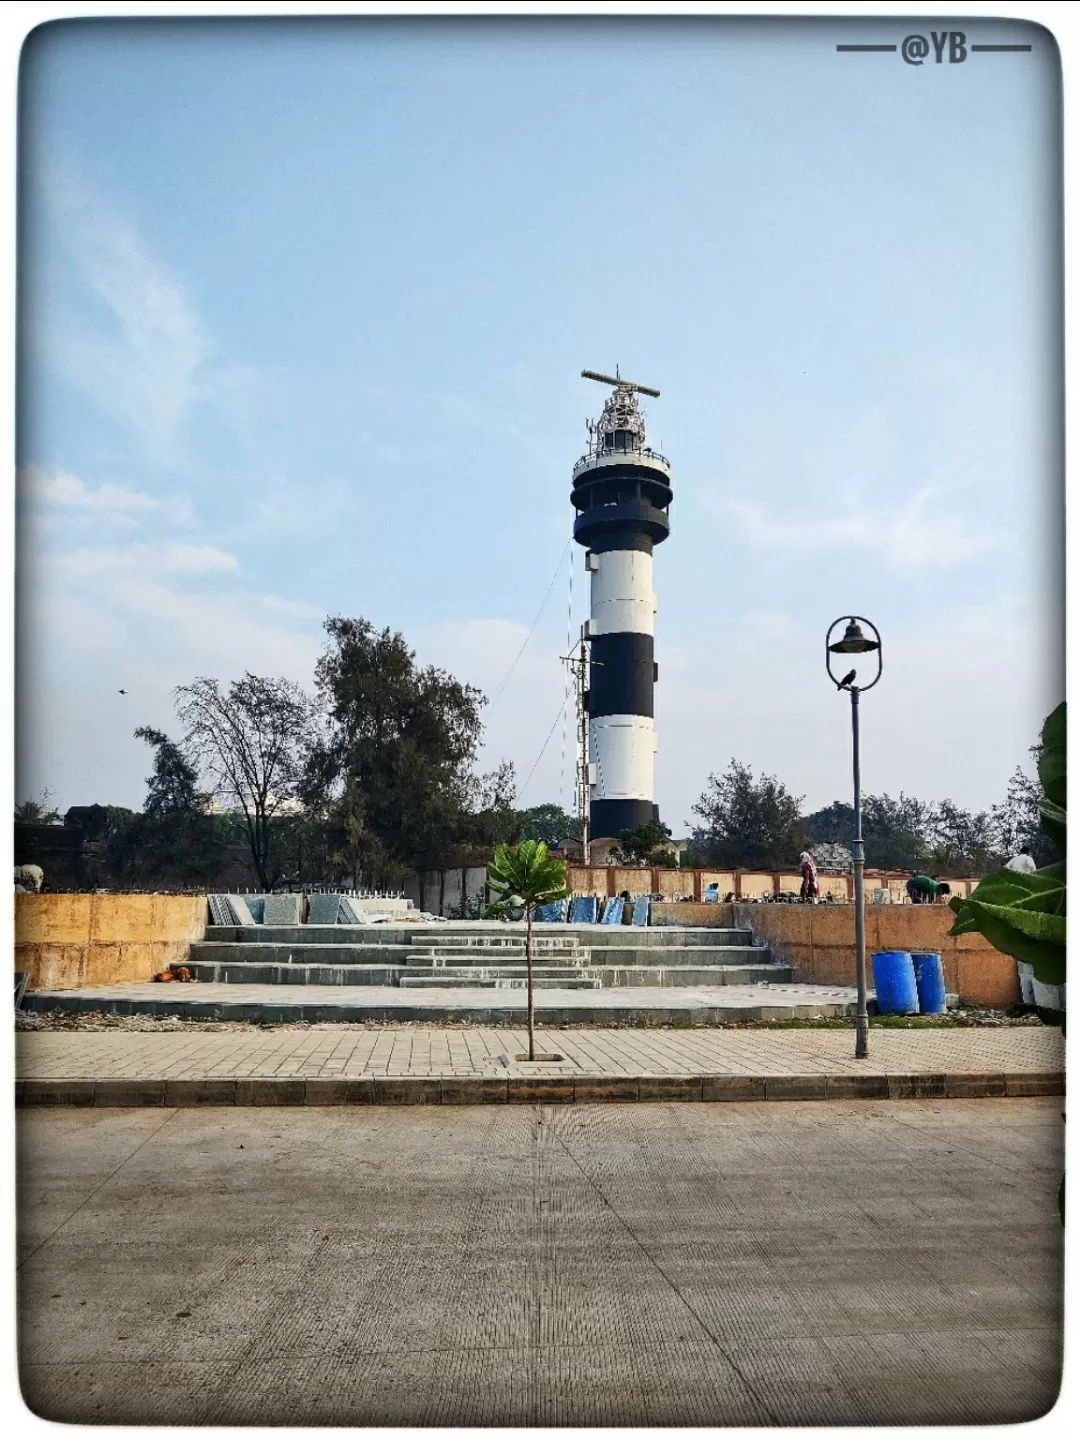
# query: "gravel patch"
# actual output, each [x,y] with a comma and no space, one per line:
[155,1024]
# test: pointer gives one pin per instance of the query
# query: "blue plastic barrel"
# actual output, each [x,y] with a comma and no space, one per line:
[894,981]
[929,981]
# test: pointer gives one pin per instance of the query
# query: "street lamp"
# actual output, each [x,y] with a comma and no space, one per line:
[854,642]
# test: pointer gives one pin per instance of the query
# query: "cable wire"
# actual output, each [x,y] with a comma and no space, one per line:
[558,717]
[569,620]
[532,627]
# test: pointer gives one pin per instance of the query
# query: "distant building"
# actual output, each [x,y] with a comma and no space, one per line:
[275,807]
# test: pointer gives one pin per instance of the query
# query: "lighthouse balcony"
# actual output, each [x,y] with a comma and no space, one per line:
[641,455]
[602,520]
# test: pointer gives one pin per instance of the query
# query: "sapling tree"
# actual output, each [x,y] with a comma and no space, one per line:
[523,879]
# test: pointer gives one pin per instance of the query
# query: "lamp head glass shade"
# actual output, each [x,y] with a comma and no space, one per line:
[854,641]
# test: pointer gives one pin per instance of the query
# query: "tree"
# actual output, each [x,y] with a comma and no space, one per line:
[894,831]
[748,823]
[961,840]
[523,879]
[491,818]
[648,844]
[834,825]
[173,787]
[173,840]
[142,850]
[405,735]
[37,812]
[353,849]
[250,741]
[1017,824]
[549,823]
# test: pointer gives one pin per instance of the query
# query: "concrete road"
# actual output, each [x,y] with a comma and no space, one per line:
[804,1263]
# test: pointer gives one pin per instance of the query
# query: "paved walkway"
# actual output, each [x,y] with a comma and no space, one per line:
[336,1066]
[593,1265]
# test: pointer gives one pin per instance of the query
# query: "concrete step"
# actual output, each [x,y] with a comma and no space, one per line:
[451,974]
[280,1004]
[482,950]
[481,980]
[458,932]
[479,953]
[228,952]
[670,936]
[221,952]
[494,957]
[691,976]
[591,976]
[631,954]
[268,973]
[501,935]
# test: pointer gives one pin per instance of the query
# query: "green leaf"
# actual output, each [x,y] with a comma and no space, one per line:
[1034,937]
[1036,924]
[1052,760]
[964,923]
[1022,916]
[526,877]
[1053,820]
[1042,890]
[1057,871]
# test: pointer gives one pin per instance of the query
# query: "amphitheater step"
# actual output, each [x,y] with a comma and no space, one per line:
[270,973]
[478,979]
[630,953]
[494,957]
[227,952]
[458,976]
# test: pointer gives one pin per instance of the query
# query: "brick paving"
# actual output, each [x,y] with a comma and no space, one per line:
[485,1052]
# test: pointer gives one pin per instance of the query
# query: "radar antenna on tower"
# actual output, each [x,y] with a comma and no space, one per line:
[621,424]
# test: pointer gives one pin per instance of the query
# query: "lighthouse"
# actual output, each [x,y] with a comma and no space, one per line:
[622,493]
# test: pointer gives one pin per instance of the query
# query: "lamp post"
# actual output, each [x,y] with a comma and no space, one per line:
[854,642]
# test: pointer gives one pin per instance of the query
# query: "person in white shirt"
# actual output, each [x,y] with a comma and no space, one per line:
[1023,863]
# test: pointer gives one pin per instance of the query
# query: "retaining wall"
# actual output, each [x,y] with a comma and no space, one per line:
[65,941]
[818,941]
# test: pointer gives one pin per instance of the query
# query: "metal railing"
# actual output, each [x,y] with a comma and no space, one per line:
[652,456]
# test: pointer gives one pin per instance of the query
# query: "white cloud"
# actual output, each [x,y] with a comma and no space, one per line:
[195,559]
[93,621]
[932,726]
[140,559]
[57,487]
[518,723]
[918,531]
[279,605]
[133,343]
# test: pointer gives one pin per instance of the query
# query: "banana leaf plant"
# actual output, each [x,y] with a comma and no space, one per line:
[523,879]
[1024,915]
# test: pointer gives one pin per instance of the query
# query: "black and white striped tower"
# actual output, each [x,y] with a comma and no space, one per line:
[622,491]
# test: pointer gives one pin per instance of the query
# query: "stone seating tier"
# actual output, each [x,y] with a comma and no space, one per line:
[479,956]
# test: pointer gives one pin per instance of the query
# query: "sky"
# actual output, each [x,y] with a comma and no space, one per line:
[303,311]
